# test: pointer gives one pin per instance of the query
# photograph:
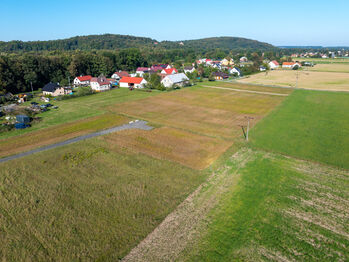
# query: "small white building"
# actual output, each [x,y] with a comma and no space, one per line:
[119,75]
[82,80]
[273,65]
[100,84]
[142,70]
[177,79]
[290,65]
[169,71]
[235,70]
[189,69]
[133,82]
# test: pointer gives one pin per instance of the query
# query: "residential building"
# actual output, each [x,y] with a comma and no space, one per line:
[220,75]
[273,64]
[235,71]
[82,80]
[175,80]
[119,75]
[169,71]
[189,69]
[100,84]
[133,82]
[54,89]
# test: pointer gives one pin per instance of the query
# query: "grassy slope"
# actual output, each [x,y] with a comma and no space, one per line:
[282,210]
[89,201]
[80,108]
[311,125]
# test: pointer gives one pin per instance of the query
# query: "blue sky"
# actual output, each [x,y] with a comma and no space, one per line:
[279,22]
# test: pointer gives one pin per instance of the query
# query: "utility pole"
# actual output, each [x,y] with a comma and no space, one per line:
[248,125]
[297,79]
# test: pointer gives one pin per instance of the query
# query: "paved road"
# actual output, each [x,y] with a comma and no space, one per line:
[248,91]
[135,125]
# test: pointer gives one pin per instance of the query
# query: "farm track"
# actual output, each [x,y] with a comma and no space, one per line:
[135,125]
[247,91]
[183,225]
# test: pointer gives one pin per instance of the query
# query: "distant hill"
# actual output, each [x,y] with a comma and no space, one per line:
[112,42]
[220,42]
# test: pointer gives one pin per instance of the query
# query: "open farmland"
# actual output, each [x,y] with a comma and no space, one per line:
[322,60]
[280,209]
[311,125]
[87,201]
[342,68]
[332,81]
[204,110]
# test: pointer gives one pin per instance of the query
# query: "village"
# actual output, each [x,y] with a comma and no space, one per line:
[158,76]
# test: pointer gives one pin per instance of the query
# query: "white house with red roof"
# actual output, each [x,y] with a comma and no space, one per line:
[82,80]
[100,83]
[119,75]
[169,71]
[142,70]
[273,64]
[133,82]
[290,65]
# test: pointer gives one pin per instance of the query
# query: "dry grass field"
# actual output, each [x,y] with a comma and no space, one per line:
[206,111]
[332,81]
[58,133]
[196,124]
[189,149]
[337,67]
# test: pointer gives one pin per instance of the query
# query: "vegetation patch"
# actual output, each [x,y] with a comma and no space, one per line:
[189,149]
[58,133]
[280,210]
[306,79]
[309,124]
[87,201]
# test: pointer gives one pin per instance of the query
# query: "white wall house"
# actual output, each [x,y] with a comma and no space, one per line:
[189,69]
[273,65]
[235,70]
[100,84]
[82,80]
[177,79]
[133,82]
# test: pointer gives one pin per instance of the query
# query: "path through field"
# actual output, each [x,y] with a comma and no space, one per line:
[134,125]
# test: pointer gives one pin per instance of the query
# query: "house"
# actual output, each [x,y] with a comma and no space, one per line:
[175,80]
[243,59]
[220,75]
[54,89]
[119,75]
[273,64]
[226,62]
[133,82]
[235,71]
[160,67]
[100,84]
[82,80]
[169,71]
[142,70]
[262,68]
[189,69]
[290,65]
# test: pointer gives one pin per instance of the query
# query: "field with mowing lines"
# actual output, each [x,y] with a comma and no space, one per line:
[58,133]
[206,111]
[189,149]
[331,81]
[281,209]
[310,125]
[88,201]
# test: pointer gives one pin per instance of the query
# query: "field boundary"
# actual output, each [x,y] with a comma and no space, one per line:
[247,91]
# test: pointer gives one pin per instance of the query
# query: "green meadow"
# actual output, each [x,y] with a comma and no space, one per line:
[311,125]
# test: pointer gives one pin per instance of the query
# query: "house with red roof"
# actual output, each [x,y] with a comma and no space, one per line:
[133,82]
[169,71]
[100,84]
[119,75]
[273,64]
[82,80]
[290,65]
[142,70]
